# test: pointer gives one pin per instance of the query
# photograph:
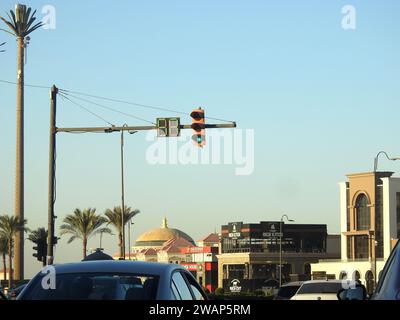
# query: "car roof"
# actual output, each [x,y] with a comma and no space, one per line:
[118,266]
[323,281]
[292,284]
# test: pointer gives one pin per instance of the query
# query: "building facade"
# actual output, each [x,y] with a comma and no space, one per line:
[250,253]
[370,225]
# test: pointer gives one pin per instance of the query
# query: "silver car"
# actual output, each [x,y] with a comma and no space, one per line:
[113,280]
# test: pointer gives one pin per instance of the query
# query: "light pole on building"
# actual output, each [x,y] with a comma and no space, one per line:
[387,156]
[285,216]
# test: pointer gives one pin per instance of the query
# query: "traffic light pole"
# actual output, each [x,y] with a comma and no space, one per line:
[52,170]
[138,128]
[52,160]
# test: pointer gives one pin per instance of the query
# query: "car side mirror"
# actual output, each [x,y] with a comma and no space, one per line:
[359,292]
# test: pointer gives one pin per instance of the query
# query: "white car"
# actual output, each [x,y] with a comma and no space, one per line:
[319,290]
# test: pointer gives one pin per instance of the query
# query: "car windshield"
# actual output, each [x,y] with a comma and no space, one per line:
[288,291]
[95,286]
[320,287]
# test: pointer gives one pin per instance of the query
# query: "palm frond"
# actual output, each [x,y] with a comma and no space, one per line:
[25,24]
[14,29]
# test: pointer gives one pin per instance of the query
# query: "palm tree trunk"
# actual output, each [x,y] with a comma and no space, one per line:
[10,270]
[4,266]
[121,248]
[19,175]
[84,248]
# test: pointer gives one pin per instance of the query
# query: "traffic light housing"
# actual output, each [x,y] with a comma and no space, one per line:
[41,250]
[198,126]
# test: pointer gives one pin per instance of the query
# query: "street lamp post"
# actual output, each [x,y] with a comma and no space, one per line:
[123,193]
[129,238]
[387,156]
[285,216]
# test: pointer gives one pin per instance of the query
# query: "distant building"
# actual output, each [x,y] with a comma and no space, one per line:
[250,253]
[169,245]
[370,225]
[156,238]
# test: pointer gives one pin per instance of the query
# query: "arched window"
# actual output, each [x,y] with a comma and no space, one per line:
[307,269]
[356,276]
[363,213]
[369,281]
[343,275]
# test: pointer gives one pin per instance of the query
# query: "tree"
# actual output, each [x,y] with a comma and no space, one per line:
[3,252]
[2,44]
[20,23]
[114,217]
[10,226]
[83,225]
[39,236]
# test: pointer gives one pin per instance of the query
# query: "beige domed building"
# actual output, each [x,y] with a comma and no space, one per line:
[156,238]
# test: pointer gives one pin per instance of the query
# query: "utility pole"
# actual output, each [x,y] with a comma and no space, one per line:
[20,26]
[19,174]
[52,172]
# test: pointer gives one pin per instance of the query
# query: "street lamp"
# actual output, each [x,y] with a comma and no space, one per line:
[129,238]
[285,216]
[387,156]
[123,191]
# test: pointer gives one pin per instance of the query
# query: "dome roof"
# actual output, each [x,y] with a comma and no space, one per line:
[157,237]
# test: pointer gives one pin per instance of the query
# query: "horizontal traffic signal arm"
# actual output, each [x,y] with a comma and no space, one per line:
[140,128]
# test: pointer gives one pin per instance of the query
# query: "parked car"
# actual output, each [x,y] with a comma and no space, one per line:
[13,293]
[319,290]
[388,287]
[288,290]
[114,280]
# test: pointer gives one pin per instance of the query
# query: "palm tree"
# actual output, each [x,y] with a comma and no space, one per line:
[39,236]
[3,252]
[10,226]
[20,24]
[82,225]
[115,219]
[2,44]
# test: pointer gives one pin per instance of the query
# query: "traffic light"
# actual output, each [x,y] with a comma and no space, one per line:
[198,126]
[41,251]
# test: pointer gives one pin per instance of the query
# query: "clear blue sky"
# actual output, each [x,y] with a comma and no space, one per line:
[322,101]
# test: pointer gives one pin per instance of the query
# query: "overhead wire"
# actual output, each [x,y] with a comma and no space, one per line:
[138,104]
[86,109]
[109,108]
[26,85]
[74,93]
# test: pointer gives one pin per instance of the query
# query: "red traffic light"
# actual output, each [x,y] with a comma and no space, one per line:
[198,126]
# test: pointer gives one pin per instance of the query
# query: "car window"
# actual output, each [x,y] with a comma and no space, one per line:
[197,292]
[288,291]
[389,273]
[175,292]
[181,286]
[320,287]
[198,295]
[95,286]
